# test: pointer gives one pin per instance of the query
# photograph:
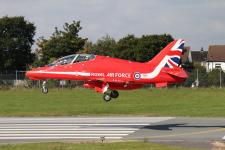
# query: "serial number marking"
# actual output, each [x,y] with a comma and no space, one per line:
[97,74]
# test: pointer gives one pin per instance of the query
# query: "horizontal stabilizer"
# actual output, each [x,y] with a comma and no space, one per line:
[178,73]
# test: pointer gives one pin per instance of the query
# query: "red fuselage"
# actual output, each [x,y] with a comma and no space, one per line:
[103,73]
[105,69]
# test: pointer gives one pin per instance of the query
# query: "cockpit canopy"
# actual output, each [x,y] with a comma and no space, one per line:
[75,58]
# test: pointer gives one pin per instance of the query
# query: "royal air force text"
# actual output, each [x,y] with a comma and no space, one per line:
[112,75]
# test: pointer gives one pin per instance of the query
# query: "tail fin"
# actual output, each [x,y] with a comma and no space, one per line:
[170,54]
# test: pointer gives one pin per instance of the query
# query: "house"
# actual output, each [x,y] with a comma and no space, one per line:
[215,58]
[199,57]
[194,56]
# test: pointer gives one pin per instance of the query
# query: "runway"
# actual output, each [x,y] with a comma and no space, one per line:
[80,128]
[197,132]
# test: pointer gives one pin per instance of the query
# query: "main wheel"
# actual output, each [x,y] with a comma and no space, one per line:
[114,94]
[44,90]
[107,97]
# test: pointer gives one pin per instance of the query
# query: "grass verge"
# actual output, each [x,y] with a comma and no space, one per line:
[147,102]
[91,146]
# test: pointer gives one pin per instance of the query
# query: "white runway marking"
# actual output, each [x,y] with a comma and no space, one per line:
[65,133]
[57,134]
[62,129]
[97,124]
[72,128]
[55,138]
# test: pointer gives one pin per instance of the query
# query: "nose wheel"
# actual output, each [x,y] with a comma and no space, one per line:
[107,96]
[44,87]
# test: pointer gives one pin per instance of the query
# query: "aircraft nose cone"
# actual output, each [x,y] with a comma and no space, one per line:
[29,74]
[36,74]
[33,75]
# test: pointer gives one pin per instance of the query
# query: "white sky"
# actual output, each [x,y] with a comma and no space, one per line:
[199,22]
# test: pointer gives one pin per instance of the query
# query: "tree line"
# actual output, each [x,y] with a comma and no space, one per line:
[16,40]
[17,37]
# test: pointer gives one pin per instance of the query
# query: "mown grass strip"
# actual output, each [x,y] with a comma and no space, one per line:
[145,102]
[91,146]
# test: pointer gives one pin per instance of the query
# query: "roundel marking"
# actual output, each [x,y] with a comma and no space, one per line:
[137,75]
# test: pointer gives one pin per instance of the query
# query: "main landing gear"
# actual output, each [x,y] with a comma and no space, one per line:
[44,88]
[108,95]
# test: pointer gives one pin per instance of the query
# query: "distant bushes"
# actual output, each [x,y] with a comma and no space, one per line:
[206,79]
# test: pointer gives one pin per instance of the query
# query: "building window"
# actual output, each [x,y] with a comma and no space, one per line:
[218,66]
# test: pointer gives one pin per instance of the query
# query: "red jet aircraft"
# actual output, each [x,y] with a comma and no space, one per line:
[107,75]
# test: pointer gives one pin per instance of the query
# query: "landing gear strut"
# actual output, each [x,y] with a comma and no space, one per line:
[44,87]
[107,96]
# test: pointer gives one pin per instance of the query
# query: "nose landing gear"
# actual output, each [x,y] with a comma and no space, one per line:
[44,87]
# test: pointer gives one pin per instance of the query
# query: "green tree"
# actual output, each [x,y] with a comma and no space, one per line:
[141,49]
[126,48]
[16,40]
[103,46]
[151,45]
[202,76]
[213,78]
[62,42]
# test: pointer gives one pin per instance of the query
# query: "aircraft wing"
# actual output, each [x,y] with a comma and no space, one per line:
[114,80]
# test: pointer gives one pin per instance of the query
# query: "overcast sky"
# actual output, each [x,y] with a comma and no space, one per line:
[199,22]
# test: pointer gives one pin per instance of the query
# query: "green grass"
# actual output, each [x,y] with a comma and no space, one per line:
[148,102]
[91,146]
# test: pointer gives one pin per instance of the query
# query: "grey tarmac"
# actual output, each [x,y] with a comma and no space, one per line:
[180,131]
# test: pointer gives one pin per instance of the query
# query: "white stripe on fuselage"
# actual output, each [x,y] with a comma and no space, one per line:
[86,74]
[157,69]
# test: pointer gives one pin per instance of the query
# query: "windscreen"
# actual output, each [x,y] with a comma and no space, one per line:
[72,59]
[84,57]
[64,60]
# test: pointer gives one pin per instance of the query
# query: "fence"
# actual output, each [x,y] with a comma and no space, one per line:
[201,78]
[197,78]
[18,79]
[12,78]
